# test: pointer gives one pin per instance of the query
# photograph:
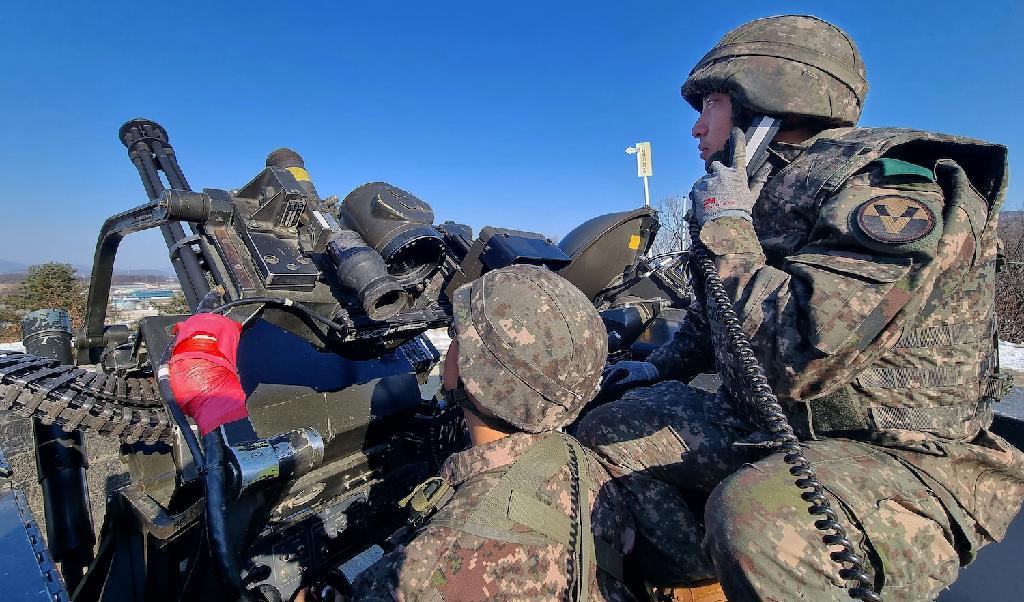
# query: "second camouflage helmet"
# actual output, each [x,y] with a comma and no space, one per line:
[531,346]
[787,65]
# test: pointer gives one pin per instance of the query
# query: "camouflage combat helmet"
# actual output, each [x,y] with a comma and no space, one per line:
[788,65]
[531,346]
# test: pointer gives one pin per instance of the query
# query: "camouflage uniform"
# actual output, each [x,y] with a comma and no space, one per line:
[444,562]
[534,516]
[866,285]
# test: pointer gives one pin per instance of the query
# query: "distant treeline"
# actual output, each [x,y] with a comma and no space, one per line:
[117,279]
[1010,281]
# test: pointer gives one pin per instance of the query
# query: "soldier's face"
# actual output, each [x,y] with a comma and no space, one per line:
[714,124]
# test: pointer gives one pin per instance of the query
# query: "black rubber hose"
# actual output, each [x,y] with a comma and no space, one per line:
[218,534]
[163,380]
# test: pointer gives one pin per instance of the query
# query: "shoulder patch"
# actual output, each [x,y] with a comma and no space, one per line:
[895,219]
[896,168]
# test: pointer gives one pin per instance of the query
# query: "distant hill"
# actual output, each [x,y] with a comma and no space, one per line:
[144,273]
[13,268]
[147,276]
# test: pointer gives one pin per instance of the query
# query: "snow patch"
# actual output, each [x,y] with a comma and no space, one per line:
[1011,355]
[16,346]
[440,339]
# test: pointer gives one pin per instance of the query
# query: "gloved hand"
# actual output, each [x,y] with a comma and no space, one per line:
[203,375]
[618,378]
[724,191]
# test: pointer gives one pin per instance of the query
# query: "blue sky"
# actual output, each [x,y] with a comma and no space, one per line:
[510,114]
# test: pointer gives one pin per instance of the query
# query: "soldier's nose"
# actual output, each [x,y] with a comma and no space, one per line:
[699,129]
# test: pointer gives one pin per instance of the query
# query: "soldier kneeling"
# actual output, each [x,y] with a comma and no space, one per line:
[533,515]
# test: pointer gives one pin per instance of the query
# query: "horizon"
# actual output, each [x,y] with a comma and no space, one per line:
[494,117]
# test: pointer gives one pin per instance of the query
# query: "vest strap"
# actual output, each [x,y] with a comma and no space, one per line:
[513,500]
[929,419]
[907,378]
[945,335]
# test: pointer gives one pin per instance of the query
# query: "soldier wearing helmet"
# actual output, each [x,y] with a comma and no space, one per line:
[861,264]
[530,514]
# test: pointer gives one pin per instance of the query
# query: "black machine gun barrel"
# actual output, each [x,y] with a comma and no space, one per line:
[151,153]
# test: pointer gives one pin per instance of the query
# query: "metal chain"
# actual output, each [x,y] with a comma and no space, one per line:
[774,419]
[75,398]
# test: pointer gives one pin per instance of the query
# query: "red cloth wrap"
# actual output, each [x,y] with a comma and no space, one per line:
[203,374]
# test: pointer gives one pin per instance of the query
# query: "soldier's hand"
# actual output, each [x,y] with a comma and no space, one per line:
[724,191]
[618,378]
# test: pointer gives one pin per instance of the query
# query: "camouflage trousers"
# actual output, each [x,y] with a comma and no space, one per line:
[684,458]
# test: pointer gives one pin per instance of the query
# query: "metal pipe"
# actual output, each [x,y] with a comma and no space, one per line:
[172,233]
[180,271]
[152,175]
[146,183]
[169,165]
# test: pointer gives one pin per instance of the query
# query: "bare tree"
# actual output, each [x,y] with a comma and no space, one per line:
[1010,281]
[674,234]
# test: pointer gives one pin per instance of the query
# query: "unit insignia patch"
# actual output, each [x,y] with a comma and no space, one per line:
[895,219]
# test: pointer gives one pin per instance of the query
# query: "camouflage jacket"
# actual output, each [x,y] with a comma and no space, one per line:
[444,563]
[866,284]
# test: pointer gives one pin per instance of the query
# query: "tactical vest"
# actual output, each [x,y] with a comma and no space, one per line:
[514,501]
[942,373]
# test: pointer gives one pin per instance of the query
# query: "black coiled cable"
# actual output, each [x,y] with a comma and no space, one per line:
[577,571]
[773,419]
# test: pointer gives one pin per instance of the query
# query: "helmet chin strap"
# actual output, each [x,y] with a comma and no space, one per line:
[459,396]
[759,136]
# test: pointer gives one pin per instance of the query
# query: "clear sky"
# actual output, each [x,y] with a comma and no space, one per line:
[513,114]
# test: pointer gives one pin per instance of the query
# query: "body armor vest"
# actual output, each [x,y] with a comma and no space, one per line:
[942,372]
[514,501]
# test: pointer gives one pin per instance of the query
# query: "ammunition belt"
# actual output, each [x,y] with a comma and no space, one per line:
[75,398]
